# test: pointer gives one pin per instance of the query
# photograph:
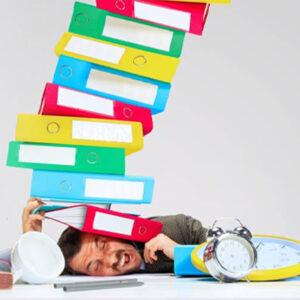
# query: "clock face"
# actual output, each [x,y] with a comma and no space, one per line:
[277,257]
[234,254]
[276,253]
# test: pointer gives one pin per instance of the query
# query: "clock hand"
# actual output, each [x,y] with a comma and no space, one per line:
[259,244]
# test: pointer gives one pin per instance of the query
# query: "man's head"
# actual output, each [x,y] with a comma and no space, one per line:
[98,255]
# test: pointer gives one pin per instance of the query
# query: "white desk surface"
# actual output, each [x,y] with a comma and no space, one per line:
[162,286]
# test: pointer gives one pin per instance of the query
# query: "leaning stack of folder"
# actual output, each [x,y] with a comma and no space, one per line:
[114,71]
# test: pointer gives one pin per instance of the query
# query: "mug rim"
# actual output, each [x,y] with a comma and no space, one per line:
[55,250]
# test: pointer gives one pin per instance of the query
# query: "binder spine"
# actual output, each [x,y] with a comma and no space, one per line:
[80,131]
[76,74]
[183,16]
[96,23]
[92,188]
[139,62]
[138,229]
[200,1]
[66,158]
[182,261]
[60,101]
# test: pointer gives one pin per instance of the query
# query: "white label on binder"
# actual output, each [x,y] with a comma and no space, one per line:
[114,189]
[94,49]
[112,223]
[162,15]
[47,155]
[122,86]
[137,33]
[109,132]
[74,99]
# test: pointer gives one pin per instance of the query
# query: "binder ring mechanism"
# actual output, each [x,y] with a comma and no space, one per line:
[120,4]
[65,71]
[82,19]
[140,60]
[92,158]
[65,186]
[127,112]
[53,127]
[142,230]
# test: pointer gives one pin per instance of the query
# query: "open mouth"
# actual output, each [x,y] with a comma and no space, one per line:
[125,260]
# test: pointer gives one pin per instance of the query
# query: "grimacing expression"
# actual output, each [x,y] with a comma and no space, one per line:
[105,256]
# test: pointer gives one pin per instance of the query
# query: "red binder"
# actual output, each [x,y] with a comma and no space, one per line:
[189,17]
[61,101]
[89,218]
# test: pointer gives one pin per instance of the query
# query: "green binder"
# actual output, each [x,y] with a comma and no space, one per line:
[68,158]
[96,23]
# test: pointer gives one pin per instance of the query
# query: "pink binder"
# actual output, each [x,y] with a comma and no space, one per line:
[89,218]
[61,101]
[189,17]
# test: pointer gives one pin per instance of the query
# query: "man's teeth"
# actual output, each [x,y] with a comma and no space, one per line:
[125,259]
[122,261]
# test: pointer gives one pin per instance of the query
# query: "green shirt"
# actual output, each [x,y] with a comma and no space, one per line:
[182,229]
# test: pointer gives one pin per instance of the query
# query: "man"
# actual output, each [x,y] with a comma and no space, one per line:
[98,255]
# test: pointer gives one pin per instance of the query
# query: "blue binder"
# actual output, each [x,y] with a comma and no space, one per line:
[182,261]
[75,73]
[91,188]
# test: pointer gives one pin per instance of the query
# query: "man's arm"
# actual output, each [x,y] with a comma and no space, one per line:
[32,222]
[177,229]
[160,243]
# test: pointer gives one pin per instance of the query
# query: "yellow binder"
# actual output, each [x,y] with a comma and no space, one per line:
[80,131]
[204,1]
[132,60]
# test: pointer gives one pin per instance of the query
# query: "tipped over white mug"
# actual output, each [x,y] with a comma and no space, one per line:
[36,258]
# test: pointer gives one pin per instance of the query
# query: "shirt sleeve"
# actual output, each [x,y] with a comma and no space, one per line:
[195,232]
[183,229]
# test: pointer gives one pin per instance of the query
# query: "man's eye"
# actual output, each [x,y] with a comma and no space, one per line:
[103,244]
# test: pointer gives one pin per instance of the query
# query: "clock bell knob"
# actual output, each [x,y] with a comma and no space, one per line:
[214,232]
[243,231]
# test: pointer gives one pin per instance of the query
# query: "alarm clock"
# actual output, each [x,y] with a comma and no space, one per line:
[228,255]
[277,258]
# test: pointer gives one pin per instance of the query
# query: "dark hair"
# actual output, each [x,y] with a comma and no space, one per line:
[70,244]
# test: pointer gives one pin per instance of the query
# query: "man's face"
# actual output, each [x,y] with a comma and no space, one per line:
[105,256]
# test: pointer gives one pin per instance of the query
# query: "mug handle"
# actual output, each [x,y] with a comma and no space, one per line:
[17,274]
[196,260]
[16,271]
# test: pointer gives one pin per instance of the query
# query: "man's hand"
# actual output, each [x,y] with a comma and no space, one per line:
[160,243]
[32,222]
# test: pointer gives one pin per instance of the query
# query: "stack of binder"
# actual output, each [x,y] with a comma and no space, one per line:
[114,72]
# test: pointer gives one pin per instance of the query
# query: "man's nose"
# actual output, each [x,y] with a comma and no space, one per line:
[109,259]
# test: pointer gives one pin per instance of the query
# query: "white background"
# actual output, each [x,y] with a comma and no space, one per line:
[228,143]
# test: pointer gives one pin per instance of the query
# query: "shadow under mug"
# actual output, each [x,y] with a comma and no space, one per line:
[36,258]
